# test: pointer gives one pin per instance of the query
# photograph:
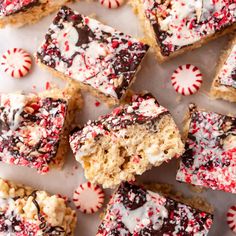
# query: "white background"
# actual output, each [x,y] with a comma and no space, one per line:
[152,77]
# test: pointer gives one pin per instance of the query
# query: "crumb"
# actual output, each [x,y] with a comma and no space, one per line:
[196,189]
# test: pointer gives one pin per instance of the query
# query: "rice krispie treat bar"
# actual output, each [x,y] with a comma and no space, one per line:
[34,128]
[21,12]
[168,190]
[134,210]
[176,26]
[209,160]
[127,142]
[102,60]
[224,84]
[25,211]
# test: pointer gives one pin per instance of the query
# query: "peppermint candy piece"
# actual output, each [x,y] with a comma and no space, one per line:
[88,198]
[16,62]
[111,3]
[231,218]
[186,79]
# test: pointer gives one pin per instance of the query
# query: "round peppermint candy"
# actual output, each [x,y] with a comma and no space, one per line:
[88,198]
[111,3]
[16,62]
[186,79]
[231,218]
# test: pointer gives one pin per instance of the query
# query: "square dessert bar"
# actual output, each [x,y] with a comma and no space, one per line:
[21,12]
[25,211]
[176,26]
[224,84]
[34,128]
[209,160]
[134,210]
[127,142]
[101,59]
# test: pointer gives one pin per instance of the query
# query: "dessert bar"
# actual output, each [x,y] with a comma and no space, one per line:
[224,84]
[34,128]
[175,26]
[21,12]
[25,211]
[127,142]
[102,60]
[209,160]
[134,210]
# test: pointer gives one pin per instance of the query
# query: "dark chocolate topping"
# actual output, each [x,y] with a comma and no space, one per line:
[210,149]
[47,114]
[179,216]
[124,116]
[181,29]
[125,53]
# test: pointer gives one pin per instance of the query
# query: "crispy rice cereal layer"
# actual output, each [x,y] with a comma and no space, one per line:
[126,142]
[224,84]
[25,211]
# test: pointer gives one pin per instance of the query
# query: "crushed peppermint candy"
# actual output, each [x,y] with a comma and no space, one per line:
[181,23]
[142,110]
[92,53]
[135,211]
[227,75]
[116,146]
[97,104]
[30,129]
[25,212]
[209,159]
[10,7]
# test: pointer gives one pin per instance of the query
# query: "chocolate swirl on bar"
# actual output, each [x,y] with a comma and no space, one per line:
[38,116]
[44,225]
[156,216]
[181,23]
[108,59]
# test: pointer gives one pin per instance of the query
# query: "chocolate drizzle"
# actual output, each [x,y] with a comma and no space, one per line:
[46,115]
[122,117]
[19,225]
[160,38]
[137,201]
[190,27]
[210,149]
[228,127]
[44,225]
[181,219]
[112,73]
